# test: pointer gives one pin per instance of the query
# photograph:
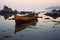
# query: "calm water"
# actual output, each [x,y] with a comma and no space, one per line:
[40,29]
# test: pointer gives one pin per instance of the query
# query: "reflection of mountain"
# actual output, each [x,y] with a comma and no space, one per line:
[53,7]
[6,16]
[22,26]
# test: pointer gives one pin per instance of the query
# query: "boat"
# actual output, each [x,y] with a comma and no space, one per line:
[26,18]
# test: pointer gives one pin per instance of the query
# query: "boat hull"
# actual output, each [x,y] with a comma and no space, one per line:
[20,19]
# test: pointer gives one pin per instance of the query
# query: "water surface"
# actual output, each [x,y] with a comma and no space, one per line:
[40,29]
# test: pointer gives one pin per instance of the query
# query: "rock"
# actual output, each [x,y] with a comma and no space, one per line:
[47,18]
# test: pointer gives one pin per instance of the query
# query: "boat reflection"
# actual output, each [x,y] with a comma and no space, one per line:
[22,26]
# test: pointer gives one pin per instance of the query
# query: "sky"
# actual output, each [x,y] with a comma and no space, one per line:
[29,4]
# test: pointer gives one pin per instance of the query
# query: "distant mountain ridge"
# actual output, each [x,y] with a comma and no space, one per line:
[53,7]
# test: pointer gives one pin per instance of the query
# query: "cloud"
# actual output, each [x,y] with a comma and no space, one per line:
[32,2]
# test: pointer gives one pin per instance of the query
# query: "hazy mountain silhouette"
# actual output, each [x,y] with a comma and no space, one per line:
[7,12]
[53,7]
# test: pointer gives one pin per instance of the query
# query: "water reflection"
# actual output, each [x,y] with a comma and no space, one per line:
[22,26]
[41,29]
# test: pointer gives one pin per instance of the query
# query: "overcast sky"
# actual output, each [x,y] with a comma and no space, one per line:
[29,4]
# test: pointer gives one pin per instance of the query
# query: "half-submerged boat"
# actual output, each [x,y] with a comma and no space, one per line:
[26,18]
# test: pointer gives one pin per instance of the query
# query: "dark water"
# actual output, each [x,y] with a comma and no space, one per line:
[37,30]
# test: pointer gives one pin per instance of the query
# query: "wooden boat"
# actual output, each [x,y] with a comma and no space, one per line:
[25,19]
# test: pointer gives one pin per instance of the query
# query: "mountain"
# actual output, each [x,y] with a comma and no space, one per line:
[53,7]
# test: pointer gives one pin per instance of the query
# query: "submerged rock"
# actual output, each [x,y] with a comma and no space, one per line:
[47,18]
[53,26]
[13,18]
[9,19]
[53,15]
[1,39]
[7,36]
[40,17]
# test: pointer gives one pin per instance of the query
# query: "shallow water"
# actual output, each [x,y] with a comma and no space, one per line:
[37,30]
